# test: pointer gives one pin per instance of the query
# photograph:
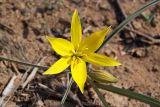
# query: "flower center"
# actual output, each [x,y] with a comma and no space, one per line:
[77,54]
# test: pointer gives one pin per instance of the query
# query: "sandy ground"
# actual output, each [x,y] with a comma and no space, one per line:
[24,24]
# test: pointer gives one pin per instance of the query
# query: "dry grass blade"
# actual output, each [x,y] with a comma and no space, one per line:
[8,89]
[32,74]
[20,62]
[149,40]
[11,87]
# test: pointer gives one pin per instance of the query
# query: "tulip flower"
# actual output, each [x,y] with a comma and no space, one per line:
[79,51]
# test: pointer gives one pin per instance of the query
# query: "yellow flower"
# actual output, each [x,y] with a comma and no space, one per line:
[77,52]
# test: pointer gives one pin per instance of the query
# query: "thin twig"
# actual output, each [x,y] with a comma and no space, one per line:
[24,63]
[15,69]
[46,87]
[151,39]
[17,83]
[24,77]
[75,97]
[9,90]
[71,94]
[38,102]
[32,74]
[51,92]
[28,70]
[87,29]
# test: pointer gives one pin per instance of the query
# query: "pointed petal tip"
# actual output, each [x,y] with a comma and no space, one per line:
[49,38]
[116,80]
[118,63]
[75,11]
[109,26]
[101,60]
[82,90]
[76,29]
[46,73]
[107,29]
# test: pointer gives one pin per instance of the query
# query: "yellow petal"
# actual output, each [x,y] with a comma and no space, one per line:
[79,72]
[76,30]
[94,41]
[59,66]
[102,76]
[61,46]
[101,60]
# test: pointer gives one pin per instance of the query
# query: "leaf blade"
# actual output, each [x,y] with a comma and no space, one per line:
[131,94]
[126,21]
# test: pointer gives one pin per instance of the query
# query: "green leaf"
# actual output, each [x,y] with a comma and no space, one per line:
[127,20]
[146,99]
[98,93]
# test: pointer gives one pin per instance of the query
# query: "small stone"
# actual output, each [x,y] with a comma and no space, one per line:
[42,39]
[104,5]
[139,52]
[136,25]
[155,68]
[39,103]
[123,53]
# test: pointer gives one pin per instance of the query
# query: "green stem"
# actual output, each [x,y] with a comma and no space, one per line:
[67,92]
[126,21]
[24,63]
[98,93]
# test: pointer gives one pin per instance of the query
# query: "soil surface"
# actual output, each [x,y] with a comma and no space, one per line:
[23,29]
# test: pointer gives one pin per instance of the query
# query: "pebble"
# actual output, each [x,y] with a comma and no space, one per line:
[42,39]
[104,5]
[137,24]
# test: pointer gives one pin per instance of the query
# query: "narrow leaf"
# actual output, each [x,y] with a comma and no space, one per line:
[143,98]
[98,93]
[126,21]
